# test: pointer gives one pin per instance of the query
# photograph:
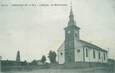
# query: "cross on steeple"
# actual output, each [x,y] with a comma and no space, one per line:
[71,11]
[71,16]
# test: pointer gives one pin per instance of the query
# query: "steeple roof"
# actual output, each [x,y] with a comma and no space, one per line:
[71,17]
[71,12]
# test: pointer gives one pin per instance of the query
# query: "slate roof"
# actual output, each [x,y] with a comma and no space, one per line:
[86,44]
[90,45]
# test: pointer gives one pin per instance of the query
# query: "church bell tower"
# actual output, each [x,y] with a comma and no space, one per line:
[71,36]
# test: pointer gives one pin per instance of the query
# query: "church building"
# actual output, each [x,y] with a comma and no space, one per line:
[74,50]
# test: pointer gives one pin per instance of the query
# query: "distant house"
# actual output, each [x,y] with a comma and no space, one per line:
[74,50]
[39,62]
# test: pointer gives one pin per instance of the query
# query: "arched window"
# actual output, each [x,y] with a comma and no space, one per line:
[99,55]
[61,53]
[93,53]
[86,52]
[104,56]
[78,50]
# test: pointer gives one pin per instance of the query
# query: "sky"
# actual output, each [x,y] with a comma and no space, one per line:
[34,30]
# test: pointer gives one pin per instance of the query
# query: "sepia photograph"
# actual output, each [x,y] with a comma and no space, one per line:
[57,36]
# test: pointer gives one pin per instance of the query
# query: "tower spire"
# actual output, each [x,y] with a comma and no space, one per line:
[71,11]
[71,16]
[18,56]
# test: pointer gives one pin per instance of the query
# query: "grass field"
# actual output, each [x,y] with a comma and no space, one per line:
[87,70]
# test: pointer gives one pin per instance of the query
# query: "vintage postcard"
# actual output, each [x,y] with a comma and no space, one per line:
[57,36]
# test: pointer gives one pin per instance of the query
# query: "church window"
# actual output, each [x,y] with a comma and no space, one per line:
[70,43]
[78,50]
[104,56]
[86,52]
[93,53]
[76,32]
[76,35]
[61,53]
[69,32]
[99,55]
